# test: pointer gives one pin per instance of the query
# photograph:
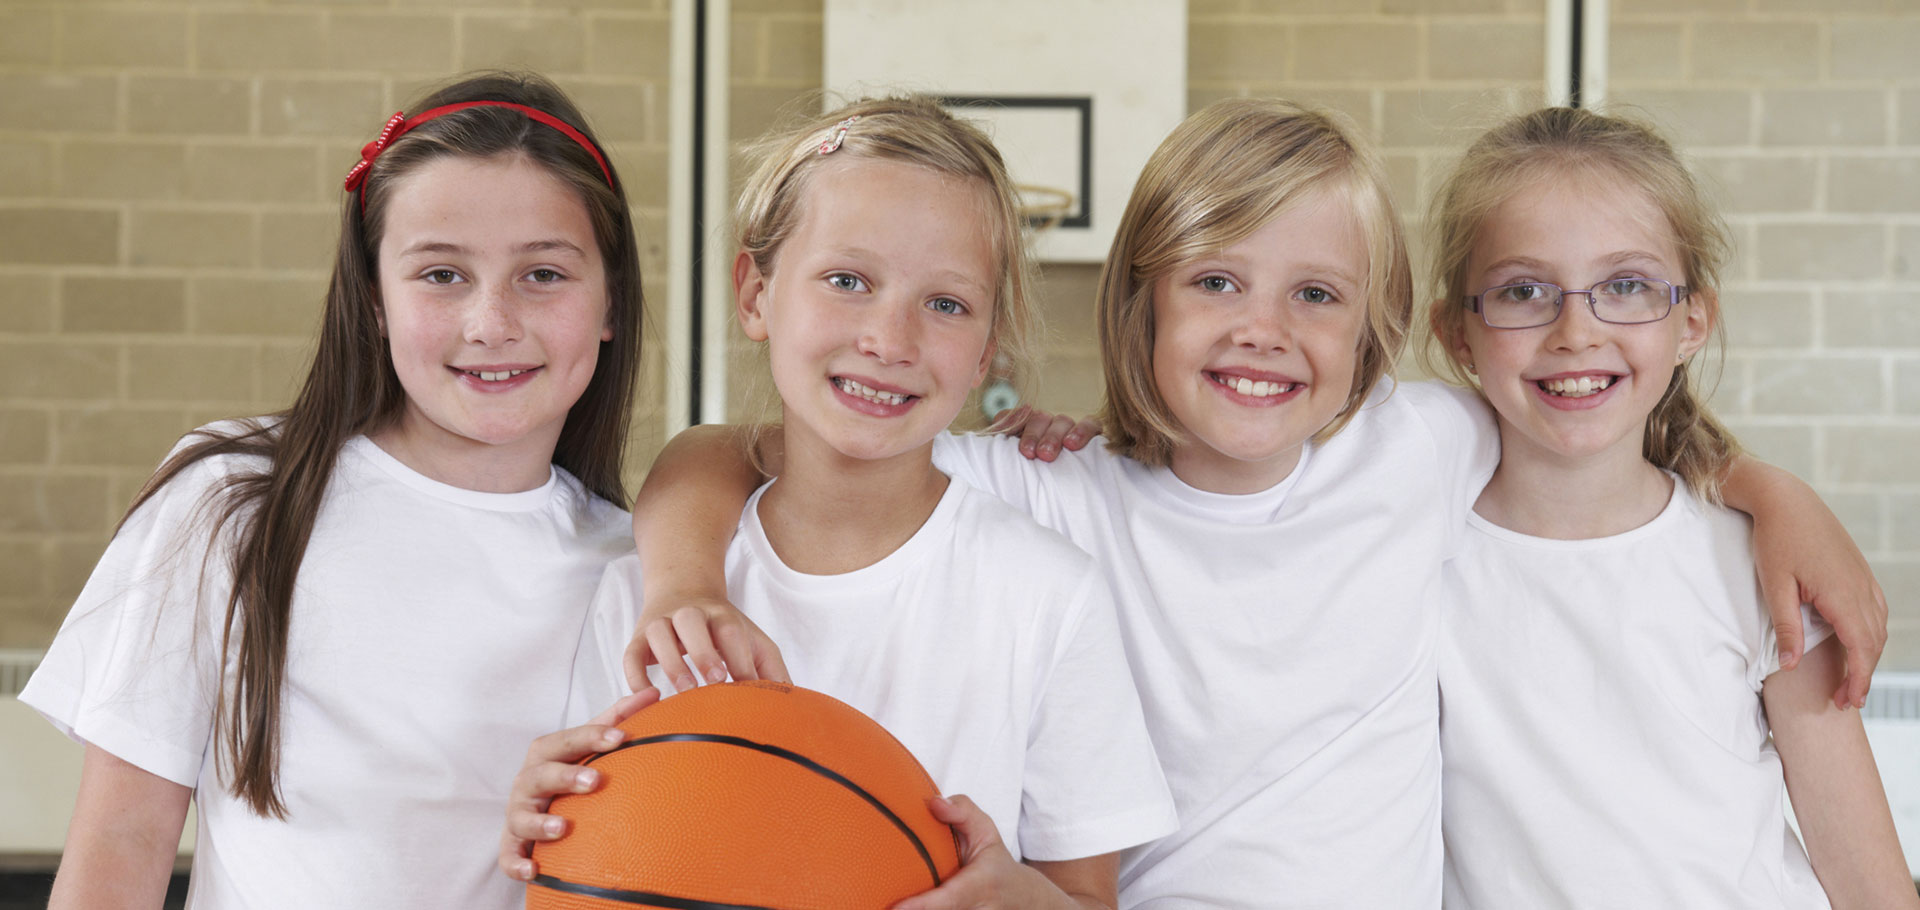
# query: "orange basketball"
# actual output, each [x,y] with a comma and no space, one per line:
[743,796]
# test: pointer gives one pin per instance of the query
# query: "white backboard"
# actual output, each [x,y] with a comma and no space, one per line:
[1076,93]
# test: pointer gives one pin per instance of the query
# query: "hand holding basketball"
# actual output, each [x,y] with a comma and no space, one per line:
[989,877]
[551,770]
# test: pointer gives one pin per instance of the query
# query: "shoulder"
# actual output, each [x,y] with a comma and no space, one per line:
[1010,538]
[594,520]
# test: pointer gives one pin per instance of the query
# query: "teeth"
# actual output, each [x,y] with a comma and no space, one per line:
[1251,388]
[1577,388]
[494,376]
[874,395]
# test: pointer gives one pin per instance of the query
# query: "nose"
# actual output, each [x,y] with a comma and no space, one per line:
[1266,325]
[891,332]
[493,316]
[1577,328]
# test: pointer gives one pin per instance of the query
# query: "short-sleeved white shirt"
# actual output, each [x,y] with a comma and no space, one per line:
[986,644]
[1604,736]
[432,635]
[1283,643]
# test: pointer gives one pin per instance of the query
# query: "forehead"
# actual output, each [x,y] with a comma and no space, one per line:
[483,204]
[1321,229]
[910,216]
[1574,219]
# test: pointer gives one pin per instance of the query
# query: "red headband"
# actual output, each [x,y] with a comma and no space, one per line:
[400,124]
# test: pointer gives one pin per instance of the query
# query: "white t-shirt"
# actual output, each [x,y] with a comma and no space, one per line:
[1283,643]
[985,644]
[1604,736]
[432,636]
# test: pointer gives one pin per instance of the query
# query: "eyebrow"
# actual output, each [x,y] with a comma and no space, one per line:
[1618,258]
[532,246]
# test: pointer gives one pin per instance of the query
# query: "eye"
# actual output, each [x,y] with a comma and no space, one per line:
[947,306]
[545,276]
[1216,284]
[1522,293]
[441,276]
[1314,294]
[846,282]
[1626,287]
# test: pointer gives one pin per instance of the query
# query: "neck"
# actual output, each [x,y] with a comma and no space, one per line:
[423,446]
[1547,494]
[1209,471]
[828,514]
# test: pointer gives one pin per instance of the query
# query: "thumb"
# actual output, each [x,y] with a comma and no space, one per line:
[975,829]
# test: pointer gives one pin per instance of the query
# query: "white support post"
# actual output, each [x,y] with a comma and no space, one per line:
[716,266]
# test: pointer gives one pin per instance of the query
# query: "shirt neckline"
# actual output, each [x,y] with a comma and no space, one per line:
[523,501]
[936,530]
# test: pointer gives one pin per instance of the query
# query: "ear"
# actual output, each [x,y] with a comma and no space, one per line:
[986,362]
[1703,313]
[606,328]
[749,296]
[1452,340]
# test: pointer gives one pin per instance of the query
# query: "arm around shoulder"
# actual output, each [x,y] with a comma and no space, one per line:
[683,520]
[122,839]
[1835,788]
[1804,555]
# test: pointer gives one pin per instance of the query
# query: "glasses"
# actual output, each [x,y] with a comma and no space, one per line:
[1621,301]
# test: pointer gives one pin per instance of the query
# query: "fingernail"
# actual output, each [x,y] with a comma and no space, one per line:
[1049,449]
[684,681]
[552,827]
[717,674]
[583,781]
[526,871]
[1786,657]
[611,738]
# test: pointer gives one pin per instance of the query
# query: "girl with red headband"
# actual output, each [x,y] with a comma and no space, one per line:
[336,627]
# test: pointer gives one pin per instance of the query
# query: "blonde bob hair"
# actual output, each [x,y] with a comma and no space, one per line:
[1218,177]
[1555,143]
[911,130]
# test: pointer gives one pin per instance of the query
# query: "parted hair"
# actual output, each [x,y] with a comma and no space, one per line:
[351,389]
[1553,143]
[1219,177]
[910,129]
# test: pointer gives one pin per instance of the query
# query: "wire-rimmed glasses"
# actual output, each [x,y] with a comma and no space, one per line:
[1621,301]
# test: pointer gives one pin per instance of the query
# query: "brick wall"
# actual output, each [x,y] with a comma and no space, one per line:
[168,184]
[169,195]
[1805,118]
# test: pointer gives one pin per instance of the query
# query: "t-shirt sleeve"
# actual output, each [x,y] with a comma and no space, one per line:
[1466,440]
[136,666]
[598,676]
[993,464]
[1766,661]
[1092,784]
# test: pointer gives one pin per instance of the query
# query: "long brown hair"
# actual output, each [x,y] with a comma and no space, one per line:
[1682,435]
[1221,175]
[352,389]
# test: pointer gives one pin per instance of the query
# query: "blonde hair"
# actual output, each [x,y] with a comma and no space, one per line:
[1220,176]
[911,130]
[1682,435]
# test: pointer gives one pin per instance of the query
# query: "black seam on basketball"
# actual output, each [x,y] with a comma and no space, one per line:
[647,898]
[798,759]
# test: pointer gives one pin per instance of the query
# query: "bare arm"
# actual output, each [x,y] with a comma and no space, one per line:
[123,837]
[683,519]
[1804,556]
[1835,788]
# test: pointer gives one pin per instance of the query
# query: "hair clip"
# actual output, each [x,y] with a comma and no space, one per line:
[837,136]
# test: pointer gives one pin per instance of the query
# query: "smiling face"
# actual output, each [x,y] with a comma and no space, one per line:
[878,311]
[494,305]
[1578,388]
[1255,347]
